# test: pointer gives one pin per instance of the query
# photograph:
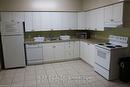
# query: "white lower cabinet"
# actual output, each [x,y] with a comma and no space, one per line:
[68,50]
[34,54]
[76,49]
[48,52]
[53,51]
[59,51]
[87,52]
[82,50]
[91,54]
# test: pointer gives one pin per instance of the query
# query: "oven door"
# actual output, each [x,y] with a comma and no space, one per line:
[102,57]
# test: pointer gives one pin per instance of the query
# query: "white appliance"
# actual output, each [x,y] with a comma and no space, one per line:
[108,54]
[13,44]
[34,54]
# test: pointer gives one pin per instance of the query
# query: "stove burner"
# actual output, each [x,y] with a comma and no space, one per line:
[110,46]
[118,46]
[108,43]
[100,44]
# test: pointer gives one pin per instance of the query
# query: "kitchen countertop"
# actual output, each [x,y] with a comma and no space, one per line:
[93,41]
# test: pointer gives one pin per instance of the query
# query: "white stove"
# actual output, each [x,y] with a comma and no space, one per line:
[108,54]
[114,42]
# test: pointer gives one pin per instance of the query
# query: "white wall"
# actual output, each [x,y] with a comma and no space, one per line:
[41,5]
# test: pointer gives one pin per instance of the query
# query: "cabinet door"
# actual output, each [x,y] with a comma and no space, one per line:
[100,19]
[73,20]
[91,54]
[68,49]
[93,19]
[86,52]
[28,21]
[87,20]
[36,21]
[48,52]
[76,49]
[59,51]
[117,14]
[108,16]
[45,20]
[82,50]
[81,20]
[56,20]
[69,20]
[64,21]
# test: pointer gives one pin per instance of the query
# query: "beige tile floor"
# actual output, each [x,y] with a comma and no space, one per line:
[63,74]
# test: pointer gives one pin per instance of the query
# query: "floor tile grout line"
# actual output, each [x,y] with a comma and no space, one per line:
[46,75]
[58,75]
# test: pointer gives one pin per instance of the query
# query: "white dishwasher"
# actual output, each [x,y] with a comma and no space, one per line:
[34,54]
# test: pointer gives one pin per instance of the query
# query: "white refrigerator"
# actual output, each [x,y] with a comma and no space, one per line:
[12,35]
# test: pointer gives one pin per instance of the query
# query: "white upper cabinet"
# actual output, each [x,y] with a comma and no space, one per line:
[45,21]
[36,21]
[73,20]
[69,20]
[118,14]
[28,21]
[100,19]
[97,19]
[108,16]
[93,19]
[87,20]
[113,16]
[56,20]
[81,21]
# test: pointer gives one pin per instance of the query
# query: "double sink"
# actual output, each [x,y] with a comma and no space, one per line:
[60,38]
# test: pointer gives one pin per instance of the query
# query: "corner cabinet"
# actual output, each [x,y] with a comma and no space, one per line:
[113,15]
[87,52]
[81,21]
[91,20]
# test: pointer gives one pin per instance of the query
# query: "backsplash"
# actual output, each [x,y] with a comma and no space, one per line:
[103,35]
[47,34]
